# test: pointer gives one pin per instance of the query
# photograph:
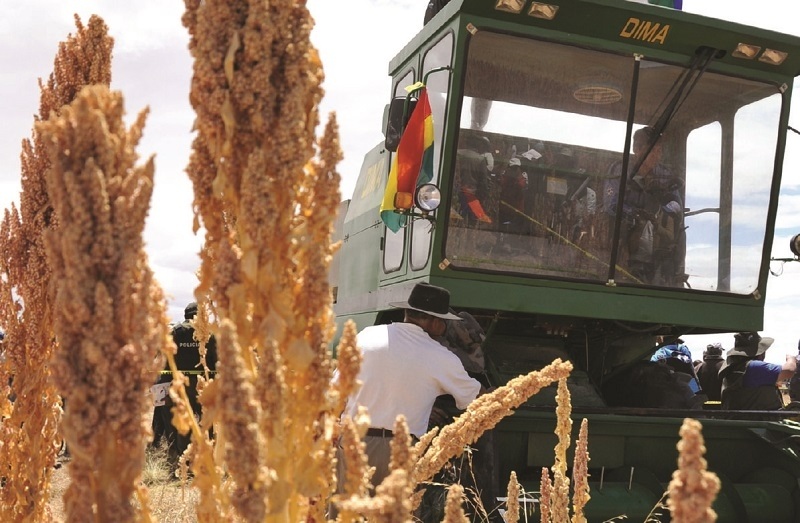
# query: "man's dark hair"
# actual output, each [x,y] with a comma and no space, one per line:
[647,135]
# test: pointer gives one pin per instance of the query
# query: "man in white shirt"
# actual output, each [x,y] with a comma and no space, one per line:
[403,371]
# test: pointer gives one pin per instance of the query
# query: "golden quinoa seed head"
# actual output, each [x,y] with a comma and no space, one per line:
[512,501]
[390,504]
[402,451]
[559,500]
[559,497]
[83,59]
[348,363]
[483,414]
[358,471]
[545,496]
[244,446]
[31,422]
[266,211]
[104,367]
[453,511]
[693,488]
[580,474]
[563,426]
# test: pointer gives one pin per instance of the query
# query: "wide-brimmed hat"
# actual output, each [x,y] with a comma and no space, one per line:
[713,349]
[749,344]
[429,299]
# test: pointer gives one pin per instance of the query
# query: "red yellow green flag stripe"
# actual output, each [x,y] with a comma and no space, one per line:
[412,164]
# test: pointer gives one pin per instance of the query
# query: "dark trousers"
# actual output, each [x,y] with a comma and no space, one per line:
[177,442]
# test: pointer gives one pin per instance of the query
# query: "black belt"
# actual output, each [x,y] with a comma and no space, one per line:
[386,433]
[380,433]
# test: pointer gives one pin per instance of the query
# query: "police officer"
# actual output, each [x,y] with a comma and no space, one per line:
[187,360]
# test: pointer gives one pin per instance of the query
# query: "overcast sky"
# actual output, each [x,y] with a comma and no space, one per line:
[356,40]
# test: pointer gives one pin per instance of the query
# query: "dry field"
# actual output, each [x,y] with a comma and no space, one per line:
[170,500]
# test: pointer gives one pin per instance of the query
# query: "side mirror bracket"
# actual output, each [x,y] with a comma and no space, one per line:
[399,111]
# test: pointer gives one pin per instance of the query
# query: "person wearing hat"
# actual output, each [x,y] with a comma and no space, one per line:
[403,371]
[513,194]
[748,382]
[188,361]
[708,371]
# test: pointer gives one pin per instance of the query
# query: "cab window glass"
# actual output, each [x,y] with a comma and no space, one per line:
[438,84]
[394,242]
[538,185]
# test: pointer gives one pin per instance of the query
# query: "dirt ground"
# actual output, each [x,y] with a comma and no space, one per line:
[170,501]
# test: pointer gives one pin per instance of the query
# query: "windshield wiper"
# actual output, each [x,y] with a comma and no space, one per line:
[676,96]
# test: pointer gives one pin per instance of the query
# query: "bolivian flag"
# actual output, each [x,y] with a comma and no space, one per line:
[412,164]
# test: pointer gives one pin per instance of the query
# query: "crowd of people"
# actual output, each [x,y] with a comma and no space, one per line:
[512,193]
[739,379]
[750,383]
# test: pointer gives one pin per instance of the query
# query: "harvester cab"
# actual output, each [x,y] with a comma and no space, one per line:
[590,180]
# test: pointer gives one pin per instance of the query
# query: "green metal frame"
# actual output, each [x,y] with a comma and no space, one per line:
[632,455]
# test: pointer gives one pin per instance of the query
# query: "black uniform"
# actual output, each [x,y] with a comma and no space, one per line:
[187,360]
[708,372]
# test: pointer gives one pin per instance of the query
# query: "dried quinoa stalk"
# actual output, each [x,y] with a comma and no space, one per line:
[512,502]
[563,425]
[545,492]
[693,488]
[348,361]
[559,500]
[580,474]
[267,209]
[453,511]
[110,314]
[389,505]
[358,471]
[395,496]
[483,414]
[559,497]
[403,455]
[29,431]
